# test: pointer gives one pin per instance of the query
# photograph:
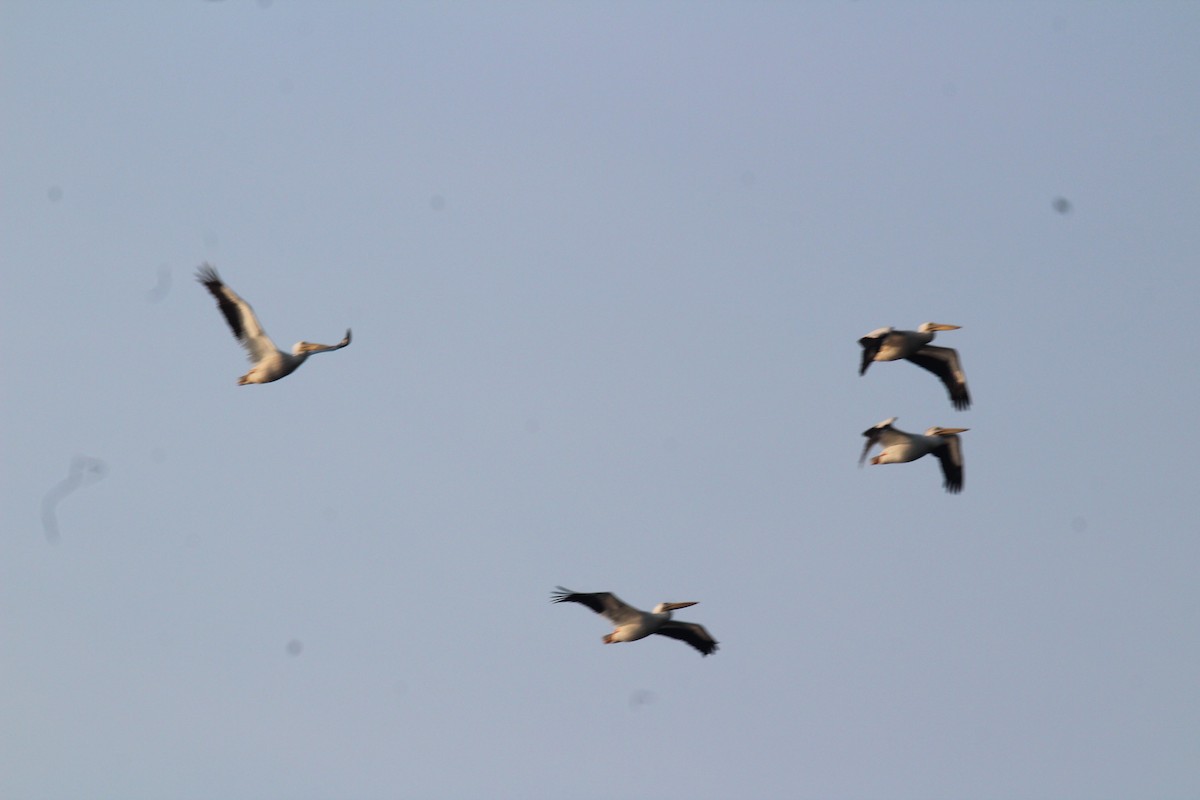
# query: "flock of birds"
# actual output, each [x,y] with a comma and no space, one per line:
[899,447]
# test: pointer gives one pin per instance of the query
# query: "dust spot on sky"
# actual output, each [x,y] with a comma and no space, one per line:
[84,470]
[641,697]
[1062,205]
[54,194]
[295,647]
[161,286]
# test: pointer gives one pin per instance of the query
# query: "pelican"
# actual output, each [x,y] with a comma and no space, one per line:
[889,344]
[270,363]
[633,624]
[900,447]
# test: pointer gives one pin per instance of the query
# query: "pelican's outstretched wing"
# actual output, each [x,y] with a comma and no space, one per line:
[950,456]
[605,603]
[881,432]
[870,345]
[943,362]
[691,632]
[238,313]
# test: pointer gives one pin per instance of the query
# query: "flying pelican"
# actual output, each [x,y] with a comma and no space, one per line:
[270,363]
[633,624]
[889,344]
[900,447]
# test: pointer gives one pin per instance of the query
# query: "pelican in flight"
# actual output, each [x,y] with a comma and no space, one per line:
[900,447]
[889,344]
[633,624]
[270,363]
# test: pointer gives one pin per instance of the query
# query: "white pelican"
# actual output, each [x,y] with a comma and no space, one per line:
[633,624]
[270,363]
[900,447]
[889,344]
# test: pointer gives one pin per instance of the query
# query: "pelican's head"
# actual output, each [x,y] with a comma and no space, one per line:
[932,327]
[936,431]
[667,608]
[303,348]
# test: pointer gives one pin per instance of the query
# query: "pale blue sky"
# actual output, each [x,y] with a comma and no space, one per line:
[605,264]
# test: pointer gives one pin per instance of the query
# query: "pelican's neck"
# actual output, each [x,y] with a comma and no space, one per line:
[292,361]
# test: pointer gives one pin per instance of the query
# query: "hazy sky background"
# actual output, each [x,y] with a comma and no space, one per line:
[605,264]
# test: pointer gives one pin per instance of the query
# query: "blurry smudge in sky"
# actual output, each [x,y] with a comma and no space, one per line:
[84,470]
[641,697]
[161,287]
[1062,205]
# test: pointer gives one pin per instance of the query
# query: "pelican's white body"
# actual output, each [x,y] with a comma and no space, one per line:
[902,344]
[646,623]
